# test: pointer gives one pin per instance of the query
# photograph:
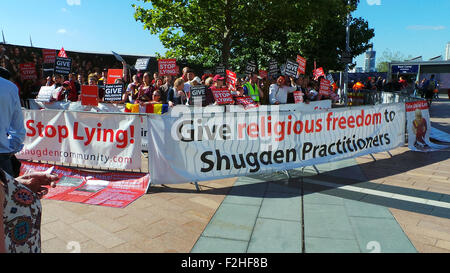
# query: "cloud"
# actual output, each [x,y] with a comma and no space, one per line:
[424,27]
[64,10]
[73,2]
[374,2]
[62,31]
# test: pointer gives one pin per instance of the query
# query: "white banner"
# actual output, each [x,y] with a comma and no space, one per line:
[201,147]
[99,140]
[419,128]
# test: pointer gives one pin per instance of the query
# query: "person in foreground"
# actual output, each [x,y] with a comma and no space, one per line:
[20,229]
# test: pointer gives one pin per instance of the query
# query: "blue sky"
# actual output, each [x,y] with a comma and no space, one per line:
[412,27]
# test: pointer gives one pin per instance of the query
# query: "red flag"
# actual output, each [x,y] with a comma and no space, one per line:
[62,53]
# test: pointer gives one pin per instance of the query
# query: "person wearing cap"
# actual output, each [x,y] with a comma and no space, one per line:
[278,92]
[251,88]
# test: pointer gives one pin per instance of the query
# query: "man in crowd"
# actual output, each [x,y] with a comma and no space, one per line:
[251,89]
[279,91]
[12,130]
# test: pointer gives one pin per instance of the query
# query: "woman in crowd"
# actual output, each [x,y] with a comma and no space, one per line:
[177,96]
[146,89]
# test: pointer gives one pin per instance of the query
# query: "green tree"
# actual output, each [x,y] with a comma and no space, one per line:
[389,56]
[234,32]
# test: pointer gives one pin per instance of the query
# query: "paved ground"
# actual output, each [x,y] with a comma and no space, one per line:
[398,203]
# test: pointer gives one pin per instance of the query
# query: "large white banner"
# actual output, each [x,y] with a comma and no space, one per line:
[200,147]
[99,140]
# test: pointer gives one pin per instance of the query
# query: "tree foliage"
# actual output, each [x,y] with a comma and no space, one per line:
[234,32]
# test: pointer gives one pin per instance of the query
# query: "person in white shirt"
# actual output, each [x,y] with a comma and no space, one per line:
[278,92]
[12,129]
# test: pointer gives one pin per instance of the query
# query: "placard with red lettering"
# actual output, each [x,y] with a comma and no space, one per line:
[28,71]
[89,95]
[231,80]
[84,138]
[318,73]
[301,64]
[247,102]
[113,75]
[168,67]
[222,96]
[298,97]
[325,87]
[49,56]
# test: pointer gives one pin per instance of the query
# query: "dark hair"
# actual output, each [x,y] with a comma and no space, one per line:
[4,73]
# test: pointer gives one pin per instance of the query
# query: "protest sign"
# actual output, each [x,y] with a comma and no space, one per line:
[419,128]
[273,69]
[231,80]
[117,190]
[301,65]
[222,96]
[318,73]
[113,75]
[298,97]
[250,67]
[91,139]
[168,67]
[247,102]
[118,57]
[142,64]
[62,53]
[89,95]
[49,56]
[290,69]
[325,86]
[197,95]
[45,94]
[63,66]
[113,93]
[28,71]
[220,70]
[330,78]
[252,143]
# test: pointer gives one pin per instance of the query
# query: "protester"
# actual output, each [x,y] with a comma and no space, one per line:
[165,88]
[251,88]
[177,96]
[279,91]
[12,130]
[146,89]
[430,85]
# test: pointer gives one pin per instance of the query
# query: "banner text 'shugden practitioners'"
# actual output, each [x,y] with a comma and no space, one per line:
[201,148]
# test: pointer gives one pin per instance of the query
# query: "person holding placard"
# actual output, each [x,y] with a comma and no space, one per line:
[177,96]
[278,92]
[251,88]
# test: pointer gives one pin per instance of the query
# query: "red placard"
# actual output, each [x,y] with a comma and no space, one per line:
[318,73]
[28,71]
[231,80]
[222,96]
[298,97]
[113,75]
[89,95]
[246,101]
[62,53]
[168,67]
[301,64]
[49,56]
[325,87]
